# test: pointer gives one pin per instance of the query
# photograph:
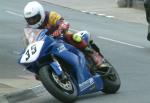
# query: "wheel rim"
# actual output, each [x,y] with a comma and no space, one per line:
[66,86]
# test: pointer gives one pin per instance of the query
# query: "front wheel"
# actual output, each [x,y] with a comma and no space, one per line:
[64,91]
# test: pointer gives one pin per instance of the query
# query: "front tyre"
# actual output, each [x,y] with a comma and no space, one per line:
[64,91]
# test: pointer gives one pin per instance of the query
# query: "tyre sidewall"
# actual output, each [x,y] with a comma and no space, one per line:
[48,82]
[109,85]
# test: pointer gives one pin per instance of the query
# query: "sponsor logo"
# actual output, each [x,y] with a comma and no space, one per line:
[61,48]
[86,84]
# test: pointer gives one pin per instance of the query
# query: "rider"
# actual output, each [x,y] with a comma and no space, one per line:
[147,10]
[37,18]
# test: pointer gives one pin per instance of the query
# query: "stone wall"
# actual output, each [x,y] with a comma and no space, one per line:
[138,4]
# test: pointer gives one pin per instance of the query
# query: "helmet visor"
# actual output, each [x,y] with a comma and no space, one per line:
[33,20]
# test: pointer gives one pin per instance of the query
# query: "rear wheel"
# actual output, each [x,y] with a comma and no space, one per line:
[65,91]
[111,79]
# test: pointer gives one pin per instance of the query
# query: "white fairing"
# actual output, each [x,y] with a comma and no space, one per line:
[32,52]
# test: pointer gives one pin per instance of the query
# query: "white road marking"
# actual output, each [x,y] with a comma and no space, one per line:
[104,38]
[101,14]
[93,13]
[110,16]
[117,41]
[84,11]
[13,13]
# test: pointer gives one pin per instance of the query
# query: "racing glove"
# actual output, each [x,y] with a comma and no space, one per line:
[63,27]
[57,33]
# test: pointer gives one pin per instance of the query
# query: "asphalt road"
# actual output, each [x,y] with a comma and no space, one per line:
[123,43]
[10,38]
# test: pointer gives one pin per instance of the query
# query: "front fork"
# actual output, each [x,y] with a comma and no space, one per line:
[58,69]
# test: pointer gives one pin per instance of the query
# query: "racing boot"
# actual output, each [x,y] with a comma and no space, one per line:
[98,63]
[95,47]
[96,58]
[103,65]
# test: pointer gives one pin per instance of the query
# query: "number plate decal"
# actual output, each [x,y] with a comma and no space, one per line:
[32,52]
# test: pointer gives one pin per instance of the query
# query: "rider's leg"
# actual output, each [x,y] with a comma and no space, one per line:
[93,51]
[95,47]
[90,49]
[147,10]
[148,35]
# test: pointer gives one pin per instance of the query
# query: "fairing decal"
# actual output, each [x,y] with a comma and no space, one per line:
[32,52]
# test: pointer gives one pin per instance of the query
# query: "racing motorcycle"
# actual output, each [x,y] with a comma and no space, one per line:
[63,69]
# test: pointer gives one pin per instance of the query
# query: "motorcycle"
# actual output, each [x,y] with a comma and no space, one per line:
[63,69]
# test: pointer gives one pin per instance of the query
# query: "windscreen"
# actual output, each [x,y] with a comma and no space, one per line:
[32,34]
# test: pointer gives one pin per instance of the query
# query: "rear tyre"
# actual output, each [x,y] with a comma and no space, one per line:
[111,79]
[64,91]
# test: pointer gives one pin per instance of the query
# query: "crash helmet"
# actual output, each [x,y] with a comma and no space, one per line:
[34,14]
